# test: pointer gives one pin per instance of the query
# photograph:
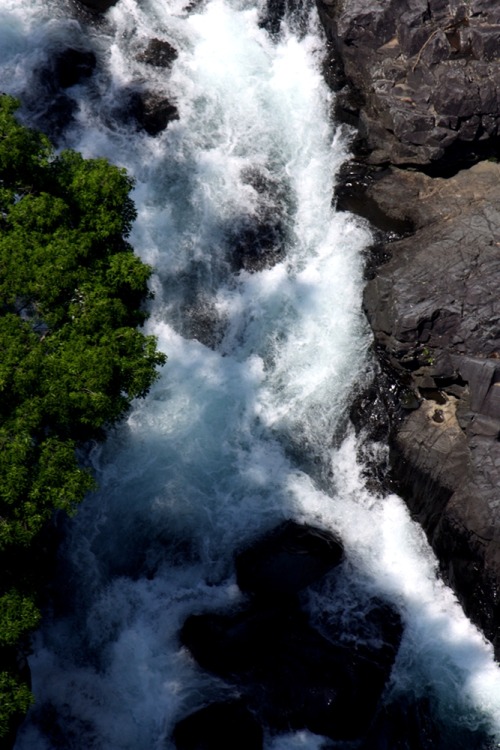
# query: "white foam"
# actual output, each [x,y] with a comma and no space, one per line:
[220,449]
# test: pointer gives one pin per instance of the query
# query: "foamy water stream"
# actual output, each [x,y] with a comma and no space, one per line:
[241,430]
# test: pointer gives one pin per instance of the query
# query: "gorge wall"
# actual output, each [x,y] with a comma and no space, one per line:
[420,80]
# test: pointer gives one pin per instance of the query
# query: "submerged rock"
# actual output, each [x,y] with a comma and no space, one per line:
[71,66]
[290,558]
[257,239]
[200,320]
[219,726]
[52,107]
[292,675]
[54,116]
[152,111]
[159,53]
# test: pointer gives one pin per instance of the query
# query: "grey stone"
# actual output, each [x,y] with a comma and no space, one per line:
[443,70]
[435,312]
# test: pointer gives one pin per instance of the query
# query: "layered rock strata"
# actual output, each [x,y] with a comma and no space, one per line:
[422,80]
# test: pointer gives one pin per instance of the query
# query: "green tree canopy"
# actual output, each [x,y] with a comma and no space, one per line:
[72,299]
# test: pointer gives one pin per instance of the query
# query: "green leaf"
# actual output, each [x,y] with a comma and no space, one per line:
[72,294]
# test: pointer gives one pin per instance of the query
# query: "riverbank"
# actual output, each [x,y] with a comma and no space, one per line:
[419,82]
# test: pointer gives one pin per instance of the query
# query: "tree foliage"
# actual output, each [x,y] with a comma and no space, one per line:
[72,297]
[16,698]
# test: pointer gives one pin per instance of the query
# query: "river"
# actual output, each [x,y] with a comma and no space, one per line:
[248,423]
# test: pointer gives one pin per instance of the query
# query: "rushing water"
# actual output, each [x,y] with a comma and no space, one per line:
[244,427]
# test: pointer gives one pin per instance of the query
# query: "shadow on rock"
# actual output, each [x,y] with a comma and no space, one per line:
[290,675]
[220,726]
[47,97]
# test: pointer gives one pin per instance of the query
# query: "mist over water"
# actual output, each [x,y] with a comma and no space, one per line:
[247,424]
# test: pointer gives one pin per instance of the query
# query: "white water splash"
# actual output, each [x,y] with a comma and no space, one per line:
[217,453]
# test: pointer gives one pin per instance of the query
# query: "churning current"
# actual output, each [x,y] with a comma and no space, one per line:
[247,425]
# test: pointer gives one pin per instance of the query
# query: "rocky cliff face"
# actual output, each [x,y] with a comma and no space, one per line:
[425,73]
[435,311]
[422,78]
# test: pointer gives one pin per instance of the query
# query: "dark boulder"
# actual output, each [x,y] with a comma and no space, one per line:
[151,111]
[51,107]
[290,675]
[236,644]
[159,53]
[219,726]
[257,238]
[293,675]
[290,558]
[271,15]
[199,319]
[256,243]
[98,6]
[72,65]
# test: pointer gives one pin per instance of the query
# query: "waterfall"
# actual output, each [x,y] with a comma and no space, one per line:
[248,424]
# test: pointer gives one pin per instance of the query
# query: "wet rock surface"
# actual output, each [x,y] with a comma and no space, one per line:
[420,75]
[159,53]
[97,6]
[151,111]
[290,674]
[420,79]
[434,309]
